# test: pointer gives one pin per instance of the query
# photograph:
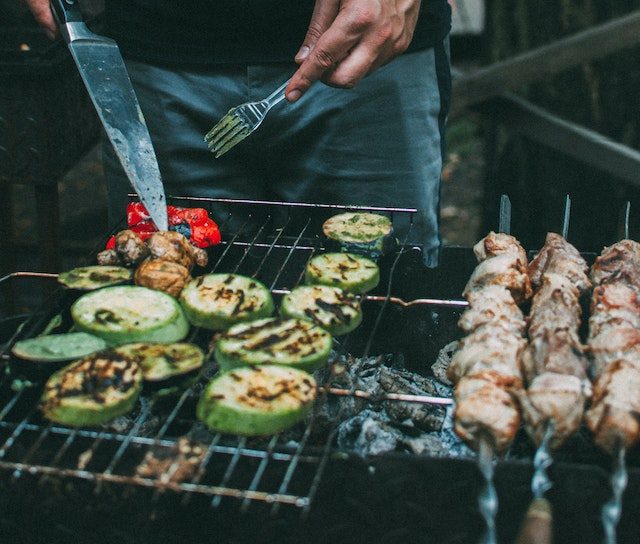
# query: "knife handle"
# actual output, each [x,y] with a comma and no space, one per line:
[66,11]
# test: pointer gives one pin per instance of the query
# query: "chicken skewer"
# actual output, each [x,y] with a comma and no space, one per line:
[485,368]
[614,345]
[554,365]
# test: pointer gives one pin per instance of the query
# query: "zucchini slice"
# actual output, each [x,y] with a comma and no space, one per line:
[257,401]
[360,232]
[217,301]
[129,313]
[331,308]
[55,348]
[88,278]
[350,272]
[93,390]
[290,342]
[163,361]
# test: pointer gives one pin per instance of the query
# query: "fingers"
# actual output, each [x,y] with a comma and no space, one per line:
[324,13]
[43,16]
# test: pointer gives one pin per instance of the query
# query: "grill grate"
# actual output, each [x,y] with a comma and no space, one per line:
[275,250]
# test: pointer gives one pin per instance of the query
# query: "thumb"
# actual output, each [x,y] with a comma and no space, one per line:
[324,13]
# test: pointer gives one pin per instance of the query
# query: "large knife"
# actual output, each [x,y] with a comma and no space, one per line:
[107,81]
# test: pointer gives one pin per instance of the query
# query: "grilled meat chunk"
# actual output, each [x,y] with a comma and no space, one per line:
[555,306]
[614,305]
[506,270]
[162,275]
[498,243]
[173,246]
[611,344]
[492,305]
[485,408]
[559,257]
[619,263]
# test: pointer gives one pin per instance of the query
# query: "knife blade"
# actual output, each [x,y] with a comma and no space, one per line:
[107,81]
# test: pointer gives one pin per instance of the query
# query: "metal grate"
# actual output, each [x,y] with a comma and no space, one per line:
[274,250]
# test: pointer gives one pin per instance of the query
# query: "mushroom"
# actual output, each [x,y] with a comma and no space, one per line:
[163,275]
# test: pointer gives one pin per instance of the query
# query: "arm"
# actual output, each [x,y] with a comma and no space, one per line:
[42,13]
[348,39]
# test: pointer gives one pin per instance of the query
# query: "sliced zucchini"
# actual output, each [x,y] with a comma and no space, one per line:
[290,342]
[88,278]
[331,308]
[360,232]
[93,390]
[163,361]
[54,348]
[217,301]
[125,314]
[350,272]
[257,400]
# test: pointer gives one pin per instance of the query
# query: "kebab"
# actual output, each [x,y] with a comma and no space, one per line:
[614,342]
[554,365]
[485,367]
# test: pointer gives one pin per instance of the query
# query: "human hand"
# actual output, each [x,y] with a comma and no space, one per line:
[42,13]
[348,39]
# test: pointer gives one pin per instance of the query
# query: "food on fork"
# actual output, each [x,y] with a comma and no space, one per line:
[217,301]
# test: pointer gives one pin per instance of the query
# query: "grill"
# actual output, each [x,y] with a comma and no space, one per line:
[186,473]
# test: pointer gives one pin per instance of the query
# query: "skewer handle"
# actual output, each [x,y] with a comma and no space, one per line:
[537,526]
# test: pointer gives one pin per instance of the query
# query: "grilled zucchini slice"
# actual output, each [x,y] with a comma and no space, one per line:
[290,342]
[360,232]
[257,401]
[125,314]
[163,361]
[55,348]
[88,278]
[93,390]
[217,301]
[333,309]
[350,272]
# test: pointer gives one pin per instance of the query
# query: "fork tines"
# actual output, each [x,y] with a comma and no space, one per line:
[227,132]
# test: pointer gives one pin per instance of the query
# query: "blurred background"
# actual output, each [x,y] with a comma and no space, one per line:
[546,104]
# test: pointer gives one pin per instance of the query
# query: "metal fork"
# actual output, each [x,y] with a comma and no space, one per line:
[241,121]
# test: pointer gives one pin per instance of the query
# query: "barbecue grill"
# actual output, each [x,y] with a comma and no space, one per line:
[160,475]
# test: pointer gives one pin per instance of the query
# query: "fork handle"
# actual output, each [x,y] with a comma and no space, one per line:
[277,95]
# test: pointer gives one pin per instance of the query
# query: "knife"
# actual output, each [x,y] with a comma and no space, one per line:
[107,81]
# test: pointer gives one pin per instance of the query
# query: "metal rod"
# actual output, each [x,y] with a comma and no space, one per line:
[248,248]
[28,275]
[488,498]
[398,397]
[540,483]
[566,217]
[612,509]
[627,213]
[215,502]
[290,253]
[504,222]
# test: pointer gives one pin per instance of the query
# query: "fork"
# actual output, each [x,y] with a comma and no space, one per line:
[241,121]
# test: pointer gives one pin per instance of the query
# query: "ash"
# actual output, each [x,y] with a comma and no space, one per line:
[375,426]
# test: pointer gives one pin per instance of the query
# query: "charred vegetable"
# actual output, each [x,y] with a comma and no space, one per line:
[359,232]
[88,278]
[290,342]
[162,275]
[162,361]
[54,348]
[350,272]
[217,301]
[257,400]
[331,308]
[126,314]
[93,390]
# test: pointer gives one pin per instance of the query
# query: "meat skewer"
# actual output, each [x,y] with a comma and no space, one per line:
[614,343]
[485,368]
[554,365]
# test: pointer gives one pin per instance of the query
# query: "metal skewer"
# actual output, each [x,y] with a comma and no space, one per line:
[488,498]
[612,509]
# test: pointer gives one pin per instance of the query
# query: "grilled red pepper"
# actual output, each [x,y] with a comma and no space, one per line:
[194,223]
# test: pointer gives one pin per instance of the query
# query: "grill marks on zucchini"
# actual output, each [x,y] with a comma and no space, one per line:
[93,390]
[292,342]
[350,272]
[257,400]
[94,277]
[217,301]
[360,232]
[163,361]
[329,307]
